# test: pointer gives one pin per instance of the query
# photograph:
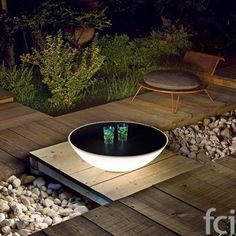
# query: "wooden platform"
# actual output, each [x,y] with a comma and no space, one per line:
[23,129]
[173,207]
[61,159]
[178,190]
[155,109]
[5,96]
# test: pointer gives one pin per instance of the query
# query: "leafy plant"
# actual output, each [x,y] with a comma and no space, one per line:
[66,72]
[170,40]
[121,54]
[20,82]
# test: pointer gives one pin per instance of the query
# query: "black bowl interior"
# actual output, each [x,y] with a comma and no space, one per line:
[142,139]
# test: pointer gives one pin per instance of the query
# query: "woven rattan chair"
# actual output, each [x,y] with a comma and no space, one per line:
[183,82]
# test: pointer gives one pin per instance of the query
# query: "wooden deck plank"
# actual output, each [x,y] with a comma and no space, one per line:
[219,176]
[14,165]
[61,157]
[39,134]
[198,193]
[21,120]
[168,211]
[19,111]
[229,161]
[135,181]
[76,226]
[39,233]
[93,175]
[133,114]
[119,219]
[4,107]
[56,126]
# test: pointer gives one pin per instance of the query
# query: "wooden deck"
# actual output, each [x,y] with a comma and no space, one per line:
[175,192]
[23,129]
[61,158]
[173,207]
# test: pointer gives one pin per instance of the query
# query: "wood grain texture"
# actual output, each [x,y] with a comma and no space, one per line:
[199,193]
[119,219]
[168,211]
[62,157]
[39,134]
[77,226]
[135,181]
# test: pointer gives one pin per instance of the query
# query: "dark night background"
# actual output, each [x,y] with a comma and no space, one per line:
[212,23]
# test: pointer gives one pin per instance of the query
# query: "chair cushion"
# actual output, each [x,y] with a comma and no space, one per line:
[173,80]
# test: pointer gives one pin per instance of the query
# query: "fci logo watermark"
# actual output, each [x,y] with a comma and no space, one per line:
[214,222]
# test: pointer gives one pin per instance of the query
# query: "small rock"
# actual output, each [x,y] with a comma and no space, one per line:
[10,187]
[206,122]
[16,183]
[225,133]
[184,150]
[2,217]
[4,207]
[24,232]
[19,191]
[48,220]
[44,194]
[11,179]
[81,209]
[42,225]
[36,191]
[57,201]
[56,220]
[17,209]
[74,214]
[54,186]
[64,196]
[47,202]
[43,188]
[20,224]
[25,201]
[27,179]
[65,212]
[6,229]
[40,181]
[64,203]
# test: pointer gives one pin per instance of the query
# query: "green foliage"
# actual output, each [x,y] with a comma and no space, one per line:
[66,72]
[170,40]
[121,54]
[20,82]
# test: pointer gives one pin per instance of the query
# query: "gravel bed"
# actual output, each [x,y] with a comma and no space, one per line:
[29,204]
[209,139]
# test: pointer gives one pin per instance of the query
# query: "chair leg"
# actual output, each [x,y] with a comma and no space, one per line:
[205,90]
[174,107]
[177,103]
[136,93]
[172,102]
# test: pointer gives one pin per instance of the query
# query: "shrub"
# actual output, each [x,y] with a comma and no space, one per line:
[20,82]
[170,40]
[120,52]
[65,71]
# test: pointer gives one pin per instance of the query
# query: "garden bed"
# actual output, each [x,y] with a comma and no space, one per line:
[29,204]
[209,139]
